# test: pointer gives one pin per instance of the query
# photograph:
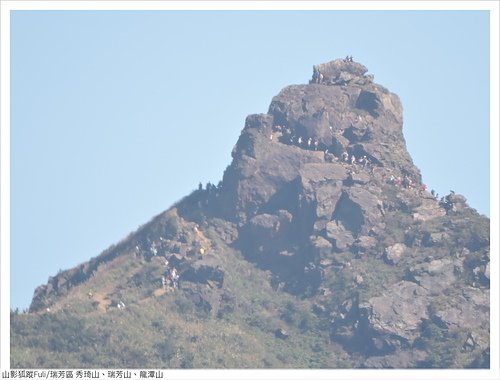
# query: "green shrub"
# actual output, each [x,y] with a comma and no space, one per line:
[165,350]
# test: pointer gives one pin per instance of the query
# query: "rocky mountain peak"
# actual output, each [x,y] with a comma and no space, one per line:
[341,115]
[323,207]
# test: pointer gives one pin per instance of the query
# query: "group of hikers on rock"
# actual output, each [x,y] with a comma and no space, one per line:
[300,141]
[170,277]
[210,187]
[317,76]
[353,160]
[314,144]
[209,194]
[448,201]
[360,161]
[405,182]
[286,135]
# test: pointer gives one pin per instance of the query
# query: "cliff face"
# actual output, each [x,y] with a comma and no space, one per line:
[324,207]
[346,112]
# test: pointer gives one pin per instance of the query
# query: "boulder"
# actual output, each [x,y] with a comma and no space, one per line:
[200,272]
[270,226]
[364,244]
[360,178]
[339,235]
[356,133]
[321,247]
[340,72]
[465,310]
[434,238]
[339,145]
[436,275]
[429,209]
[399,312]
[357,209]
[320,190]
[393,253]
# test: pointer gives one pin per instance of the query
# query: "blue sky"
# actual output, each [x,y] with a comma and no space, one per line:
[117,115]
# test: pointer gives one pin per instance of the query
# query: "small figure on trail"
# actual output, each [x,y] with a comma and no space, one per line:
[299,140]
[406,182]
[315,78]
[353,159]
[381,208]
[366,161]
[345,156]
[174,277]
[309,142]
[316,143]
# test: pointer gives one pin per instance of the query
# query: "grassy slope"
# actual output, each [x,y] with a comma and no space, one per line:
[169,330]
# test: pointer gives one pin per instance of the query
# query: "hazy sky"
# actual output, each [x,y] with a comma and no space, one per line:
[117,115]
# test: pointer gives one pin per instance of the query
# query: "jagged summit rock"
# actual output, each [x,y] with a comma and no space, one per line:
[343,72]
[304,122]
[322,225]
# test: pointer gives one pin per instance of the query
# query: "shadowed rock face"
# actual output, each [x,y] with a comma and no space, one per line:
[359,118]
[380,260]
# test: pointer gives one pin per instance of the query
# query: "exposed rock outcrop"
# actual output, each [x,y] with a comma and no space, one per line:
[398,313]
[324,197]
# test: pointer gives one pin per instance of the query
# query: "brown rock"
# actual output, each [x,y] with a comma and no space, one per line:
[364,244]
[399,312]
[341,237]
[394,252]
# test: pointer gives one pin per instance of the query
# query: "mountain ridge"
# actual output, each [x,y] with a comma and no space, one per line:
[323,205]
